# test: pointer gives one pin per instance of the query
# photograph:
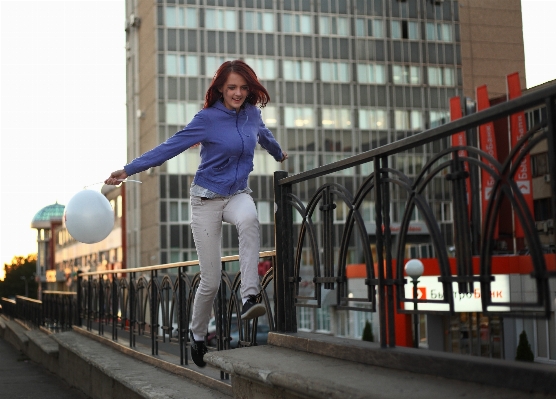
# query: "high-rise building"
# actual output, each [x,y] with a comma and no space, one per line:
[344,76]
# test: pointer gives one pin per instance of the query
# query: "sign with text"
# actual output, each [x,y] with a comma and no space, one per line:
[430,288]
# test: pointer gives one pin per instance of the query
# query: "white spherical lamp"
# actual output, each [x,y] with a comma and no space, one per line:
[89,217]
[414,268]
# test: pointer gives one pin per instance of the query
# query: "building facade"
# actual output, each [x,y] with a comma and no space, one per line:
[344,76]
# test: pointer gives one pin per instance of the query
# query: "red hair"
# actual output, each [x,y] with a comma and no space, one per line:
[257,93]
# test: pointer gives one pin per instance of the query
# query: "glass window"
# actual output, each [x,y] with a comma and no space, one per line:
[334,26]
[334,118]
[440,76]
[299,117]
[263,210]
[259,21]
[438,118]
[220,19]
[334,72]
[293,23]
[180,113]
[404,30]
[270,116]
[264,67]
[360,27]
[408,120]
[373,119]
[184,215]
[184,65]
[405,74]
[371,73]
[298,70]
[378,28]
[212,64]
[174,212]
[437,31]
[181,17]
[369,27]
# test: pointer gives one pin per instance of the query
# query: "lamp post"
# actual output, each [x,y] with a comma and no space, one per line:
[414,268]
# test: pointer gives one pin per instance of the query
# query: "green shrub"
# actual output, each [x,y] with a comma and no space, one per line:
[368,332]
[524,352]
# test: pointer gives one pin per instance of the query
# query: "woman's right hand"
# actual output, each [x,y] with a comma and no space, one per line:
[116,177]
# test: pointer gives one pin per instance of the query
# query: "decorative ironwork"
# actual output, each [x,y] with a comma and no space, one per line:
[385,275]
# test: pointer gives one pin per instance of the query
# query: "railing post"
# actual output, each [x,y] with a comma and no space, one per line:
[114,307]
[182,332]
[154,318]
[380,254]
[79,299]
[285,317]
[131,309]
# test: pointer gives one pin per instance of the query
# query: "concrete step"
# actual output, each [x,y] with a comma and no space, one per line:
[103,369]
[286,372]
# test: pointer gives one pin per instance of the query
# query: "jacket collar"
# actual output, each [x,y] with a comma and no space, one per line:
[220,106]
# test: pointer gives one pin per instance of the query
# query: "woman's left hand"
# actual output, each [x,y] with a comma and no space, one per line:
[284,156]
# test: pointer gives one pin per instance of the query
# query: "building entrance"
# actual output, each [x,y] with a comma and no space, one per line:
[474,334]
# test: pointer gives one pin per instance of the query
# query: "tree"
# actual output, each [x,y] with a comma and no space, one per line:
[524,352]
[368,332]
[13,283]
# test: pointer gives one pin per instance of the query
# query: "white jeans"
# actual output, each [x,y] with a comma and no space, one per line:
[206,223]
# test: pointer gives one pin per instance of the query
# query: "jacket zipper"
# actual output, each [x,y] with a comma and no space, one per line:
[242,151]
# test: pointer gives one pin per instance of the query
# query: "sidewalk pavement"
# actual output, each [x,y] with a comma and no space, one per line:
[21,378]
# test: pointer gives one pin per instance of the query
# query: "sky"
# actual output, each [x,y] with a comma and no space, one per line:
[62,101]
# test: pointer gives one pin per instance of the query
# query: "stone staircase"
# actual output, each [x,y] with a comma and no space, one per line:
[293,366]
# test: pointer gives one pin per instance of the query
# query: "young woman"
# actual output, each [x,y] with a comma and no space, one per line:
[228,128]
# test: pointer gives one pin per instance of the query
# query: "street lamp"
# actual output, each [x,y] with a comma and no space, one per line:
[414,268]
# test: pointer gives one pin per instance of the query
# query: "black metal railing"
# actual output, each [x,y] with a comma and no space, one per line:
[306,247]
[57,311]
[8,307]
[153,304]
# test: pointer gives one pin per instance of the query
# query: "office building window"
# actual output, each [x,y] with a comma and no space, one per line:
[182,65]
[265,67]
[334,72]
[373,119]
[371,73]
[180,113]
[220,19]
[212,64]
[405,74]
[438,31]
[438,118]
[293,23]
[404,30]
[298,70]
[440,76]
[334,118]
[539,163]
[181,17]
[258,21]
[270,116]
[334,26]
[369,27]
[408,120]
[299,117]
[263,211]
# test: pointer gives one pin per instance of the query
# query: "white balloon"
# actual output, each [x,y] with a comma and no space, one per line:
[89,217]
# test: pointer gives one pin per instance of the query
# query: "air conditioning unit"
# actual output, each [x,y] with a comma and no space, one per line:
[547,178]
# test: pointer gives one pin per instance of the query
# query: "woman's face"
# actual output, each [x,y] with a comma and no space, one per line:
[234,91]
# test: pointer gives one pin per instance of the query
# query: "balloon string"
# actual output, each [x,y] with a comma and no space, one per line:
[122,180]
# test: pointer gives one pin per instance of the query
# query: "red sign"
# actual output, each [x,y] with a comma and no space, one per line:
[459,139]
[518,127]
[487,143]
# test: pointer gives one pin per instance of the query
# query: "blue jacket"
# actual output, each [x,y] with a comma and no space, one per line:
[228,140]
